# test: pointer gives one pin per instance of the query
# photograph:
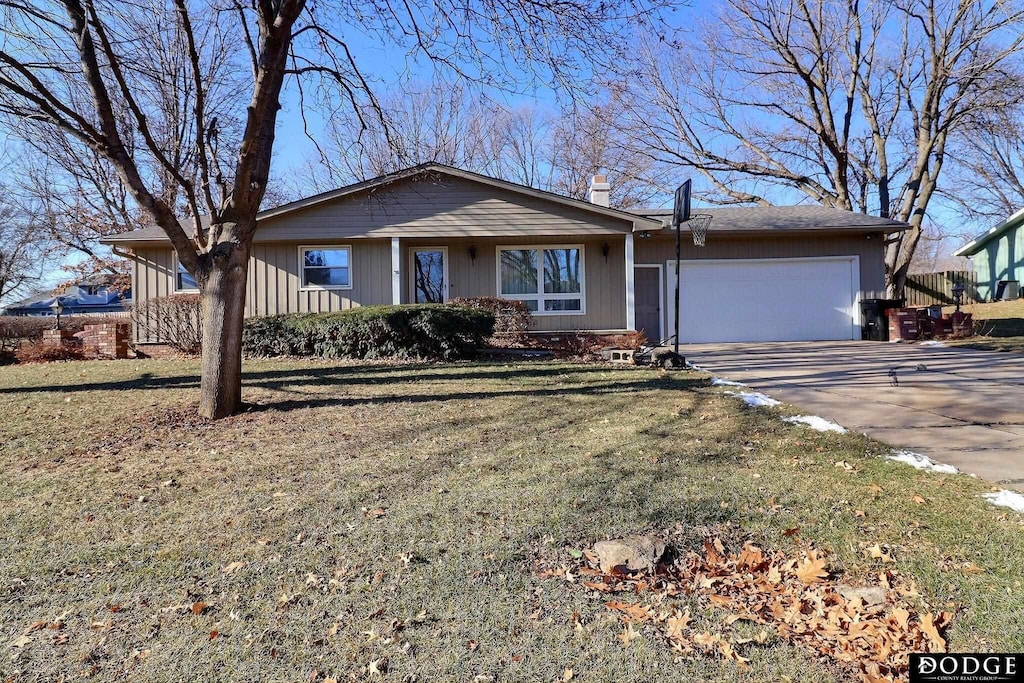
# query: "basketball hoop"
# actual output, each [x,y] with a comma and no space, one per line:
[698,227]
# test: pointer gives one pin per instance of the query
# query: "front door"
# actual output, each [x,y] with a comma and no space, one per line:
[430,275]
[647,293]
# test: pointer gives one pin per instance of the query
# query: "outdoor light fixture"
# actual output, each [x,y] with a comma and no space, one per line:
[645,235]
[605,250]
[472,253]
[57,308]
[958,294]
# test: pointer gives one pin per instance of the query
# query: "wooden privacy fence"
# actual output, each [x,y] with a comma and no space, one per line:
[930,289]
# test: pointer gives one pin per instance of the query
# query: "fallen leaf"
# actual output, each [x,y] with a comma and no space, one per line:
[21,641]
[919,499]
[628,635]
[232,568]
[930,628]
[199,607]
[875,552]
[812,569]
[792,531]
[567,675]
[875,488]
[633,612]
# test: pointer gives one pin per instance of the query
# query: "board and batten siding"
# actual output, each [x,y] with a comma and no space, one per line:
[273,278]
[273,285]
[442,207]
[661,249]
[604,282]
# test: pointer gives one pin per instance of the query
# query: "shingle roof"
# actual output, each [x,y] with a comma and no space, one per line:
[725,219]
[785,218]
[639,221]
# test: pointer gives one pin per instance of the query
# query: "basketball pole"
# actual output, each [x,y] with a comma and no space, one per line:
[680,214]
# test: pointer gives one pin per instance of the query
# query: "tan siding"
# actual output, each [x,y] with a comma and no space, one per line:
[152,277]
[446,207]
[605,282]
[870,252]
[275,269]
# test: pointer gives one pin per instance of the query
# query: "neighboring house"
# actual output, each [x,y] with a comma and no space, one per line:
[95,295]
[431,233]
[997,256]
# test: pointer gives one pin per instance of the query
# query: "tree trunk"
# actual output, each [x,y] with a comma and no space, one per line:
[223,297]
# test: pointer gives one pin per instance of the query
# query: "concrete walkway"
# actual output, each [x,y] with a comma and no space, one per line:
[966,408]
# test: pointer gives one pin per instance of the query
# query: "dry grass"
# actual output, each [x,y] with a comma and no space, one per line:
[397,515]
[1000,326]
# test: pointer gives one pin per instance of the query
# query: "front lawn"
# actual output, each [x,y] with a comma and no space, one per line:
[404,521]
[1000,326]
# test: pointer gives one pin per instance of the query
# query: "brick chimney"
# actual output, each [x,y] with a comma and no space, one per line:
[599,190]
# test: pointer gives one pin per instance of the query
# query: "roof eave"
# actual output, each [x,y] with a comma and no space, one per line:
[979,242]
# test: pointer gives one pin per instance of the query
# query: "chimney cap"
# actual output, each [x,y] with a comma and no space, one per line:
[600,178]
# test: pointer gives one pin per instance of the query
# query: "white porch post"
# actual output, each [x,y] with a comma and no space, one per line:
[396,270]
[630,273]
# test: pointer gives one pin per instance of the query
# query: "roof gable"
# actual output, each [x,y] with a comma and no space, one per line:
[381,212]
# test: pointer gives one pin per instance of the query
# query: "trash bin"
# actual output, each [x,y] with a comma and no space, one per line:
[876,322]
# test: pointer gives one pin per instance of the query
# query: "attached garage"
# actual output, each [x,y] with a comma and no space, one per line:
[774,299]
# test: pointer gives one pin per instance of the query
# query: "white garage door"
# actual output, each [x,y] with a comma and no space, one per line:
[812,299]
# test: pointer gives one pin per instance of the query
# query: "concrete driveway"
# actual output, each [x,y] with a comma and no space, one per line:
[966,408]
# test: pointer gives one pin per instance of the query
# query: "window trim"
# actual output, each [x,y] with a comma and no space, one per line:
[318,288]
[175,264]
[540,297]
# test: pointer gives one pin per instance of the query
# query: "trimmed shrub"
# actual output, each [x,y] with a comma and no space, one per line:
[173,320]
[275,335]
[427,331]
[511,318]
[44,352]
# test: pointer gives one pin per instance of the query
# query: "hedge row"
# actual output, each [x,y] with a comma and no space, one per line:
[428,331]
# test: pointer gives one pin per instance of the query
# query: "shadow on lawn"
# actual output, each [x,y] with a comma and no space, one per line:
[351,375]
[580,389]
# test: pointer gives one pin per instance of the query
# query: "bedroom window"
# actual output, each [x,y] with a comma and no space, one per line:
[326,267]
[183,280]
[549,279]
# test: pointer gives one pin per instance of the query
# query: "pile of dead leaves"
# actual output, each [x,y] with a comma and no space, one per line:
[795,596]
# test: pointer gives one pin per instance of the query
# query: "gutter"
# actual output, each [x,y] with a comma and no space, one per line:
[975,245]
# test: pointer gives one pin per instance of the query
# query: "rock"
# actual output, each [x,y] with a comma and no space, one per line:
[871,595]
[637,553]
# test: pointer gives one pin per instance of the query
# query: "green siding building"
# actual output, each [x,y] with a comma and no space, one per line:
[997,255]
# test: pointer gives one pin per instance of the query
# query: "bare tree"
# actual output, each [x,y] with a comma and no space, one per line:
[529,145]
[591,139]
[22,246]
[84,67]
[850,104]
[989,180]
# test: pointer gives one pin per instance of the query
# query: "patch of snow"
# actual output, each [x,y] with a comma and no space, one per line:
[1006,499]
[722,382]
[755,399]
[694,366]
[816,423]
[921,462]
[931,342]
